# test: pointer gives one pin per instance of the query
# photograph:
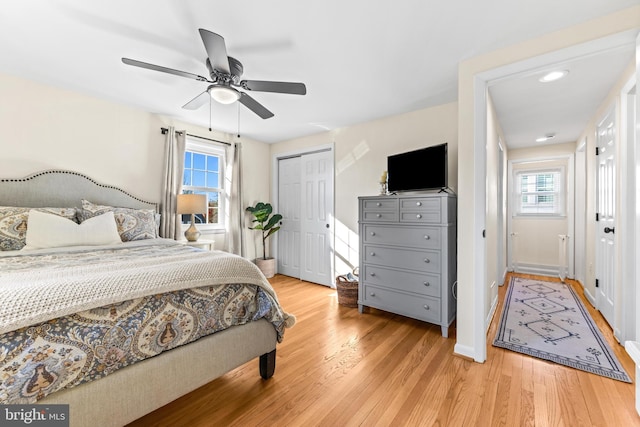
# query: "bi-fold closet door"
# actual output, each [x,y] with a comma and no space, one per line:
[305,201]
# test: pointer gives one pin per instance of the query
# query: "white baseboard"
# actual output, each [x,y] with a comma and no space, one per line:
[504,276]
[588,296]
[492,312]
[465,351]
[633,349]
[539,269]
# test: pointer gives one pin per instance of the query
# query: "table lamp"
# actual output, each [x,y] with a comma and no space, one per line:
[192,204]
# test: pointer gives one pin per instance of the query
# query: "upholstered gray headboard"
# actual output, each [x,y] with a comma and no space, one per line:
[60,188]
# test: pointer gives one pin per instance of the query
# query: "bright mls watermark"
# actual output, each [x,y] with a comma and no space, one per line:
[34,415]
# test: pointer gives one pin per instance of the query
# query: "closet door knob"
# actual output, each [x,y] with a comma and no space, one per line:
[418,216]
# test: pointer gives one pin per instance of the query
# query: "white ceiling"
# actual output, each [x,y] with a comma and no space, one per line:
[361,60]
[528,109]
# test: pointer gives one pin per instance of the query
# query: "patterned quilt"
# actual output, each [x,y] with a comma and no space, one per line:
[63,349]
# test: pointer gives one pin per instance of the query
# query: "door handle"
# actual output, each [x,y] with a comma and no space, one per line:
[610,230]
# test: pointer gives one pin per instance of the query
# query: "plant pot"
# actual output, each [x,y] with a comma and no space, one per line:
[267,266]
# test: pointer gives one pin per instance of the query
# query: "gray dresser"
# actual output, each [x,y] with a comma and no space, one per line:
[408,256]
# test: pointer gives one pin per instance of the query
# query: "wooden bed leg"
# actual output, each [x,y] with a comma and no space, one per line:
[268,364]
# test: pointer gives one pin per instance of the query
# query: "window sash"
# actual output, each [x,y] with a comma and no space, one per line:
[209,157]
[539,192]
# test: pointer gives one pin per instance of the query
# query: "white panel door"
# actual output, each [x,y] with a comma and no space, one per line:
[606,206]
[289,193]
[316,219]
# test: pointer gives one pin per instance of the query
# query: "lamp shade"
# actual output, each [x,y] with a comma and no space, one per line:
[192,204]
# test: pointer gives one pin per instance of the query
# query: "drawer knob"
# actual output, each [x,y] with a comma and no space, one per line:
[427,260]
[427,284]
[426,307]
[418,203]
[373,254]
[373,233]
[418,216]
[427,237]
[378,216]
[378,204]
[373,294]
[372,274]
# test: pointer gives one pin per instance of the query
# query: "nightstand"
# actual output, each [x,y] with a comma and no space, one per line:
[200,243]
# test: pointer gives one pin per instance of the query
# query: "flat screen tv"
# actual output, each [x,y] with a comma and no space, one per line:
[424,169]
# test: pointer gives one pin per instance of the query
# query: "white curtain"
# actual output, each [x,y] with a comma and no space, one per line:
[172,183]
[235,211]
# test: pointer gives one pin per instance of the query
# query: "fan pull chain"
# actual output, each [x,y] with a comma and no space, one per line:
[238,119]
[210,113]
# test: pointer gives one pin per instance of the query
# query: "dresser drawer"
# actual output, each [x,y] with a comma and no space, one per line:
[422,210]
[419,283]
[418,307]
[385,216]
[379,209]
[419,237]
[421,260]
[380,204]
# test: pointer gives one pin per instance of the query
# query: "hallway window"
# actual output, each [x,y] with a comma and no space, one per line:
[539,193]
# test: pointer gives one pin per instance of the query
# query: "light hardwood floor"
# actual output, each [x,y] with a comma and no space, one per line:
[337,367]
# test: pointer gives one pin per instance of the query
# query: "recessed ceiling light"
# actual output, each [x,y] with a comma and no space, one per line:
[546,137]
[553,76]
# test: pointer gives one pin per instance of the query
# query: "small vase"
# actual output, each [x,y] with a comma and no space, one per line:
[383,188]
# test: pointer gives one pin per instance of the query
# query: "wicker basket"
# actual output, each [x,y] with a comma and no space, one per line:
[347,291]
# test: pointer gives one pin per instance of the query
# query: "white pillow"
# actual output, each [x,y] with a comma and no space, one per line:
[52,231]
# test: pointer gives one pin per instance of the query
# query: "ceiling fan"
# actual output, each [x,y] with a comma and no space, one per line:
[225,72]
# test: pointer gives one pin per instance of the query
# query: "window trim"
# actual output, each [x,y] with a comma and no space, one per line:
[560,208]
[196,146]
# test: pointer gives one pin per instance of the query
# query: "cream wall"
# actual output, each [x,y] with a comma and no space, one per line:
[472,76]
[537,248]
[44,127]
[361,156]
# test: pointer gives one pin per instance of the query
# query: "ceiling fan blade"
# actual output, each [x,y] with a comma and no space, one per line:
[279,87]
[254,106]
[164,69]
[198,101]
[216,50]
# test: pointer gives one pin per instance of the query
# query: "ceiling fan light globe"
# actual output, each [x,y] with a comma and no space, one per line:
[224,95]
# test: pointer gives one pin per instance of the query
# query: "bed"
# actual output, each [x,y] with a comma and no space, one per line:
[118,329]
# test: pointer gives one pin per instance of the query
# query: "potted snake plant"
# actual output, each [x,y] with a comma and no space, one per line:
[268,224]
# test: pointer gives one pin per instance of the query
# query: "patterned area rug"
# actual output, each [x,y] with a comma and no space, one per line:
[547,320]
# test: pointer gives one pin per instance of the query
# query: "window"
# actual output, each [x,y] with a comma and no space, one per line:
[204,174]
[539,193]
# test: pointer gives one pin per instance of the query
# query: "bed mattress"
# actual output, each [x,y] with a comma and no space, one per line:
[74,315]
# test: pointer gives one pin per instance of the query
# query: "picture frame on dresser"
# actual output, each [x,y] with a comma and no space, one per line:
[408,256]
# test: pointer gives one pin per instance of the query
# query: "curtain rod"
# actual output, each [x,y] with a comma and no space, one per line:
[165,130]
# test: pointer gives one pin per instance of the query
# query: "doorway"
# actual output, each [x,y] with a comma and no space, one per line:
[475,79]
[304,194]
